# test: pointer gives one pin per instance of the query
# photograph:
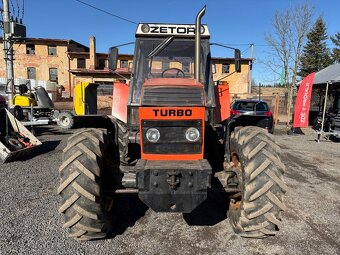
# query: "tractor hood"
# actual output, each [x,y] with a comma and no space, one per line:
[172,92]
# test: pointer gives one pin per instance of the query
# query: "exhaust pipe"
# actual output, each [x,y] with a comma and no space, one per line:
[198,43]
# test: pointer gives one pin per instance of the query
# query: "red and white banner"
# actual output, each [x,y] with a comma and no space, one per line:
[302,103]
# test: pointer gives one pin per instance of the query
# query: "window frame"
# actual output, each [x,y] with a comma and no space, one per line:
[29,69]
[78,62]
[50,47]
[125,61]
[50,74]
[102,61]
[223,69]
[30,46]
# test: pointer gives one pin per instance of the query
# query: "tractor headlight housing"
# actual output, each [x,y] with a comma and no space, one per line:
[153,135]
[192,134]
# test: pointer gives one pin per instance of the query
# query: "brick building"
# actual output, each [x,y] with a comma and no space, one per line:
[43,59]
[67,62]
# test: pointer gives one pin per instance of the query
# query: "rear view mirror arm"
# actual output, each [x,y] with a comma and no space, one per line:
[226,76]
[224,46]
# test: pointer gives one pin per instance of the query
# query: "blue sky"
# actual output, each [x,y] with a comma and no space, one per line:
[230,22]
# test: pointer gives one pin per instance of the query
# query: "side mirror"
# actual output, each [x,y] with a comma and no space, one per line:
[237,60]
[113,58]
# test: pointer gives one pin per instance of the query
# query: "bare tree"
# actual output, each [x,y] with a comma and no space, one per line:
[280,44]
[290,28]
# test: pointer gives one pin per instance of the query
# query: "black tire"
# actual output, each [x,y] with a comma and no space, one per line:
[266,124]
[256,211]
[14,145]
[66,120]
[123,138]
[18,113]
[85,204]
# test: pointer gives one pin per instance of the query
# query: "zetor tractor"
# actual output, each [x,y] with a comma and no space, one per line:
[168,142]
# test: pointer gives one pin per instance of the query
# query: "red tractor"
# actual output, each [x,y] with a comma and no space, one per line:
[168,140]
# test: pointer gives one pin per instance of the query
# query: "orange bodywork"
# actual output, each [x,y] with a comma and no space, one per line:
[222,102]
[148,113]
[119,101]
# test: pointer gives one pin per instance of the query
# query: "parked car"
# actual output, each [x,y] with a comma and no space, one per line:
[3,103]
[253,112]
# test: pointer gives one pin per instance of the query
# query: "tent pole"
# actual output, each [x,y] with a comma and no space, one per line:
[324,112]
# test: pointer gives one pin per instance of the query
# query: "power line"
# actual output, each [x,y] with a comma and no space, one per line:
[109,13]
[13,10]
[23,9]
[18,8]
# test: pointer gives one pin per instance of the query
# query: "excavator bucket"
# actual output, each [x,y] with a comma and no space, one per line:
[16,141]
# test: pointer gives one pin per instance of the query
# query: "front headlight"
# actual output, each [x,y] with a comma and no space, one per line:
[153,135]
[192,134]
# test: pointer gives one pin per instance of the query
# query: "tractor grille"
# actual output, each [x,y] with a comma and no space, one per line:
[173,96]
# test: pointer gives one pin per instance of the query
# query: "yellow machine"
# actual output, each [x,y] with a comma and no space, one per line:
[85,98]
[84,105]
[23,101]
[31,103]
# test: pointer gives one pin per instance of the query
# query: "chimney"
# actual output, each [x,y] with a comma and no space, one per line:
[93,55]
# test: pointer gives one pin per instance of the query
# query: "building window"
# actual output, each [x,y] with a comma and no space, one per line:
[124,63]
[105,88]
[31,73]
[225,68]
[81,63]
[52,50]
[165,65]
[213,66]
[53,74]
[30,49]
[101,63]
[186,67]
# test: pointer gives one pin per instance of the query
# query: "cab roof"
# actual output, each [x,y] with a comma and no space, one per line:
[165,30]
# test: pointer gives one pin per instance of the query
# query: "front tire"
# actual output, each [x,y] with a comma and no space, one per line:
[18,113]
[84,204]
[256,211]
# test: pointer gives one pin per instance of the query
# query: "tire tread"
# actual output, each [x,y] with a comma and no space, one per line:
[259,215]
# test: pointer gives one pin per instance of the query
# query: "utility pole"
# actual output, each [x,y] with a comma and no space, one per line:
[8,50]
[260,91]
[251,67]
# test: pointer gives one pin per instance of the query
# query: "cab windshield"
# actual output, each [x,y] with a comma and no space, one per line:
[174,60]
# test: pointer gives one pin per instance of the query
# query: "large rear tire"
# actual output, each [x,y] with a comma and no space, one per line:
[256,211]
[86,208]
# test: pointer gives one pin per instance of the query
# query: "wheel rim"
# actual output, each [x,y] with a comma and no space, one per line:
[236,199]
[65,121]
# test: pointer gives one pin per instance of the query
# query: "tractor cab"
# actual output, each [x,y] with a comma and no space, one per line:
[167,51]
[164,69]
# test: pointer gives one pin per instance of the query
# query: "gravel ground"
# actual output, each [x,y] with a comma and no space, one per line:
[30,224]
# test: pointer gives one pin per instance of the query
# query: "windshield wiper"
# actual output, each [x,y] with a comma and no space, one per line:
[160,46]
